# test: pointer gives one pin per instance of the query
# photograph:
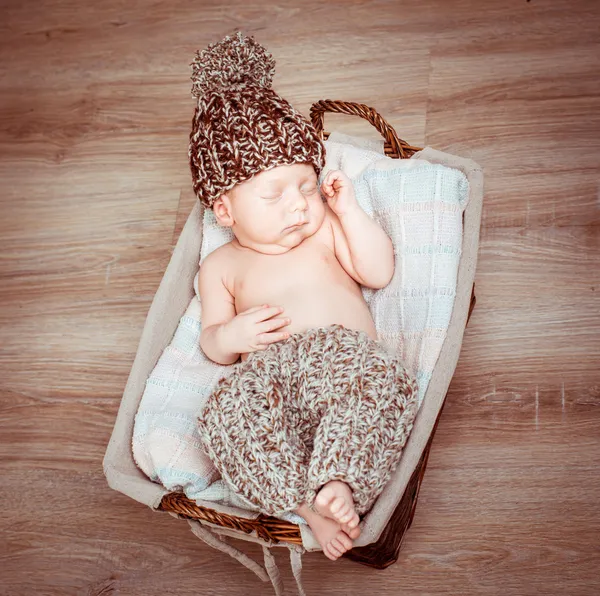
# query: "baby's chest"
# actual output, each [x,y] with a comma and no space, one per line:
[270,274]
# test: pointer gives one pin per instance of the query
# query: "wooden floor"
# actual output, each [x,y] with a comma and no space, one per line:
[95,110]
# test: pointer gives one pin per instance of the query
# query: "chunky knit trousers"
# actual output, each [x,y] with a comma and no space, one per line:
[326,404]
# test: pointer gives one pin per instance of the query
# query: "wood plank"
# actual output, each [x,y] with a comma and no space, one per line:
[95,110]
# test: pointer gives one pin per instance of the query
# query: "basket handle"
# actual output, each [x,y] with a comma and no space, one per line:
[395,146]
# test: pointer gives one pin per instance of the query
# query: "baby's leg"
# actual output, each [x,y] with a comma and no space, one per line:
[247,435]
[362,431]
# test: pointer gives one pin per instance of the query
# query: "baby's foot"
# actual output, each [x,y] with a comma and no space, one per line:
[335,502]
[329,535]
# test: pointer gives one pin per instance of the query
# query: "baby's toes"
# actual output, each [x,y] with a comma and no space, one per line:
[338,506]
[339,547]
[354,533]
[343,539]
[353,520]
[333,550]
[346,514]
[340,512]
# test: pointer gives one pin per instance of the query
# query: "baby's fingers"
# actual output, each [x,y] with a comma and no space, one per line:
[333,176]
[271,338]
[273,324]
[327,189]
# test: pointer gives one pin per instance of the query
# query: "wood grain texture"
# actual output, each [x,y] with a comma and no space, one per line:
[95,110]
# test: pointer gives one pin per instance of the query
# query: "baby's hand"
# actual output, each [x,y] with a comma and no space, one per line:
[250,331]
[339,192]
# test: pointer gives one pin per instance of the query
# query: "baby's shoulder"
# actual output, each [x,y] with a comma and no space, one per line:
[221,263]
[221,255]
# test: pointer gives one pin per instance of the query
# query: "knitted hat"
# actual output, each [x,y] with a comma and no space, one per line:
[241,126]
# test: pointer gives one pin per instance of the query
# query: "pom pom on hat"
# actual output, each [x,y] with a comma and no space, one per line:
[232,64]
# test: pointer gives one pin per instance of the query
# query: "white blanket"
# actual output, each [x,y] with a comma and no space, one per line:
[420,206]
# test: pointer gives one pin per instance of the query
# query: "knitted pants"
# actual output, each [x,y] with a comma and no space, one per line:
[326,404]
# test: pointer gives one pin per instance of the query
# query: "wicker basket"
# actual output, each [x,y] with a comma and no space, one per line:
[378,554]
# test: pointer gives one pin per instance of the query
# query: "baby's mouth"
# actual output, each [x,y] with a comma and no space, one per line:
[294,226]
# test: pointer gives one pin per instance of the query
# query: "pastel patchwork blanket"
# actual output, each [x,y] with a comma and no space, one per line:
[420,206]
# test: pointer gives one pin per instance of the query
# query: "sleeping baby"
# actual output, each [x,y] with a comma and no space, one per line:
[314,414]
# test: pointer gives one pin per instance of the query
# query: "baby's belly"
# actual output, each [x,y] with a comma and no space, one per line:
[319,306]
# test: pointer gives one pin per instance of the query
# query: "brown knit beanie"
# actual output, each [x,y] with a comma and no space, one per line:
[241,126]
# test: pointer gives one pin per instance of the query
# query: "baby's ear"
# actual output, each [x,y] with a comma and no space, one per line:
[222,211]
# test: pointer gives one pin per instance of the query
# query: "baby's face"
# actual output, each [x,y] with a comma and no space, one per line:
[261,210]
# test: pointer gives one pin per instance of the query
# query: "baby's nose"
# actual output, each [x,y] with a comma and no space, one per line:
[299,202]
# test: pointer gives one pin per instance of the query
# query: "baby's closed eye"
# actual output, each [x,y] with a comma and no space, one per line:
[307,190]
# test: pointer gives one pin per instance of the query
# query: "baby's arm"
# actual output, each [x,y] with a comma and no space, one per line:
[218,308]
[362,247]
